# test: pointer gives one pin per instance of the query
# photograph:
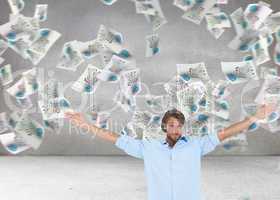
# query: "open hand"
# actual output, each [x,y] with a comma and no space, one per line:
[264,111]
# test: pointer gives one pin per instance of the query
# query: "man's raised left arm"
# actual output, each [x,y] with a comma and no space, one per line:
[236,128]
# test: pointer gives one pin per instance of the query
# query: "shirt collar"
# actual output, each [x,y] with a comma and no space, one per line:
[182,137]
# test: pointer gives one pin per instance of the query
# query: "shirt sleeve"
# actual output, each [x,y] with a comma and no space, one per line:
[208,143]
[133,147]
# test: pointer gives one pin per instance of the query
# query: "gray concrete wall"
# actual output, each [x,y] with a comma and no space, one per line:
[180,41]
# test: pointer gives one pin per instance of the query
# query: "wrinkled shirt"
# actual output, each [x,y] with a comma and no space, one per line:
[171,173]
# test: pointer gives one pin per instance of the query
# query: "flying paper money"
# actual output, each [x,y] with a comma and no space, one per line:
[220,89]
[110,38]
[3,122]
[270,90]
[130,82]
[54,108]
[265,71]
[251,109]
[260,51]
[158,19]
[200,124]
[152,45]
[145,7]
[43,41]
[26,38]
[90,49]
[219,108]
[274,127]
[51,89]
[108,2]
[256,14]
[272,22]
[24,103]
[13,143]
[276,54]
[88,82]
[31,81]
[238,72]
[71,57]
[198,11]
[103,120]
[18,90]
[41,12]
[54,124]
[156,103]
[189,98]
[19,27]
[192,72]
[16,6]
[111,72]
[127,103]
[30,131]
[129,130]
[141,118]
[239,21]
[235,142]
[217,22]
[6,75]
[13,119]
[245,42]
[184,5]
[153,134]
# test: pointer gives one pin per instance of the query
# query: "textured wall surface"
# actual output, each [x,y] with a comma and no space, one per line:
[180,41]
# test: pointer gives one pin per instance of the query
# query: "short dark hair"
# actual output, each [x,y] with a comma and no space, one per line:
[172,113]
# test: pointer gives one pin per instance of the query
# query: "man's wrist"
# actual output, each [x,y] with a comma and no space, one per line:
[252,119]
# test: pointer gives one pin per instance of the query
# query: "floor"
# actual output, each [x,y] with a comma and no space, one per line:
[122,177]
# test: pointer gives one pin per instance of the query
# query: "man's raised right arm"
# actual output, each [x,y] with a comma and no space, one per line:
[130,145]
[78,120]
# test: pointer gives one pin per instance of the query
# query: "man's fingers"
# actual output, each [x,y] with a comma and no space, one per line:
[72,115]
[69,114]
[270,108]
[75,122]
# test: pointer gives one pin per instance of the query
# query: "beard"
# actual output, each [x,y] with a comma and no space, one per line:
[172,139]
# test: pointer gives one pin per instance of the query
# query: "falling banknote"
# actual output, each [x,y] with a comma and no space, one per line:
[54,108]
[152,45]
[256,14]
[88,81]
[3,122]
[41,12]
[71,56]
[6,75]
[192,72]
[130,82]
[13,143]
[44,40]
[30,131]
[238,72]
[198,11]
[111,71]
[16,6]
[108,2]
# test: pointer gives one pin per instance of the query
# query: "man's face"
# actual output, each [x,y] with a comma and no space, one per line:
[173,128]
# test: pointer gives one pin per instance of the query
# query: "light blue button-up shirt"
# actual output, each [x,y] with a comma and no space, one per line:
[171,173]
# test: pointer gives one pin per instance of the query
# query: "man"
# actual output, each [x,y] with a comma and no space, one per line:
[172,166]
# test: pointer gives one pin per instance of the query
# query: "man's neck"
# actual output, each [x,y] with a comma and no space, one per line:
[171,142]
